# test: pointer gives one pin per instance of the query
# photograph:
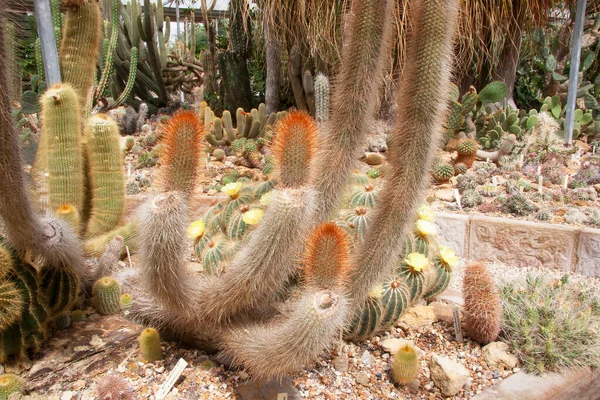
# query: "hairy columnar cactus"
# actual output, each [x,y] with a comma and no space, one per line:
[294,148]
[354,100]
[423,91]
[79,48]
[483,309]
[107,296]
[326,260]
[149,341]
[106,175]
[182,139]
[291,341]
[405,366]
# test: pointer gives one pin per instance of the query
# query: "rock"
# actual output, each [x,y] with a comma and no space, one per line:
[414,385]
[363,378]
[67,395]
[253,390]
[443,311]
[496,354]
[367,358]
[575,216]
[373,159]
[393,345]
[340,363]
[445,195]
[419,316]
[449,376]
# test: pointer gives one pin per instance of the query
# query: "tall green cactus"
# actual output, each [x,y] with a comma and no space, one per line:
[61,136]
[105,173]
[79,48]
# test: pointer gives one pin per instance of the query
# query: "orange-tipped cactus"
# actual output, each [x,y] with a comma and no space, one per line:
[483,307]
[68,213]
[183,144]
[326,258]
[294,148]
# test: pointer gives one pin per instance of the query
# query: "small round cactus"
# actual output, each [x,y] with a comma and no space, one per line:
[443,172]
[374,173]
[406,365]
[219,154]
[9,384]
[126,301]
[466,147]
[466,182]
[543,215]
[113,387]
[149,341]
[106,296]
[489,190]
[63,321]
[77,316]
[471,198]
[460,169]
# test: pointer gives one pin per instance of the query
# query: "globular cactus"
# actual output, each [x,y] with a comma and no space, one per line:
[470,199]
[294,148]
[466,149]
[321,98]
[483,310]
[442,172]
[149,341]
[365,321]
[62,321]
[105,173]
[291,341]
[442,264]
[460,169]
[489,190]
[125,301]
[11,302]
[365,197]
[359,221]
[77,316]
[412,271]
[518,204]
[62,149]
[326,263]
[405,366]
[395,298]
[10,384]
[183,146]
[61,288]
[113,387]
[107,296]
[79,49]
[219,154]
[374,173]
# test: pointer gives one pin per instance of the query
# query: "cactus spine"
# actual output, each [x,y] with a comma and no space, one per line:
[106,175]
[326,257]
[149,341]
[10,384]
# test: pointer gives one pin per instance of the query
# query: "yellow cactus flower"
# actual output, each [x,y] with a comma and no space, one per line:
[425,213]
[417,261]
[232,189]
[448,256]
[253,216]
[425,228]
[196,230]
[376,292]
[265,199]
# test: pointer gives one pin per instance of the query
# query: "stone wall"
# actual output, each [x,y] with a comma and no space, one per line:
[522,243]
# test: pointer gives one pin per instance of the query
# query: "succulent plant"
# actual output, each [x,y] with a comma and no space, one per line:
[9,384]
[149,341]
[107,295]
[405,366]
[443,172]
[518,204]
[483,309]
[470,199]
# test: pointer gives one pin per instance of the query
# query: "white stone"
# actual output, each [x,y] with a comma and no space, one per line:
[449,376]
[496,354]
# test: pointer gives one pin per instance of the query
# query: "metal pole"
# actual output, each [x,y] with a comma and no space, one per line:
[45,27]
[574,71]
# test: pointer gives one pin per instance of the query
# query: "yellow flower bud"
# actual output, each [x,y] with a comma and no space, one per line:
[253,216]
